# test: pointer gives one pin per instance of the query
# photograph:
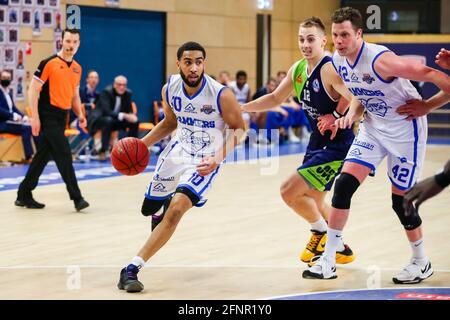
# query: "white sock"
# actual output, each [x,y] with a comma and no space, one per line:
[320,225]
[138,262]
[97,144]
[334,237]
[340,246]
[418,249]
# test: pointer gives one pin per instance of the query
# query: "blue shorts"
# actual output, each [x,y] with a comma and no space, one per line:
[320,167]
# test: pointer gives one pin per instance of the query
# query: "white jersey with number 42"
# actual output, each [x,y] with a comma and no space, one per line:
[379,97]
[383,132]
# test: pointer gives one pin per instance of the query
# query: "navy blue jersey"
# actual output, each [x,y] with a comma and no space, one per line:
[316,102]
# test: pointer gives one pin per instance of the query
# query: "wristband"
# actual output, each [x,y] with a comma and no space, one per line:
[337,115]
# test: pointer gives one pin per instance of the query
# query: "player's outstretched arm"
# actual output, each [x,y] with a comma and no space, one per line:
[165,126]
[274,99]
[232,116]
[417,108]
[390,65]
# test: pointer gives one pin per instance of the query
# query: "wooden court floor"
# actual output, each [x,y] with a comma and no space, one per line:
[243,244]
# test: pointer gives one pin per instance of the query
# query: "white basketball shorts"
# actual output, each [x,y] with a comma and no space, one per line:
[404,145]
[177,168]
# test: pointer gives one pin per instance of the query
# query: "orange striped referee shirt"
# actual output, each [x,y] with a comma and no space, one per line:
[60,79]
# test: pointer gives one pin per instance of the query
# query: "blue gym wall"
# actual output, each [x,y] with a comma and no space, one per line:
[128,42]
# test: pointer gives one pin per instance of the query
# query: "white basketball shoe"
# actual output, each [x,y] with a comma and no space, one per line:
[324,268]
[417,271]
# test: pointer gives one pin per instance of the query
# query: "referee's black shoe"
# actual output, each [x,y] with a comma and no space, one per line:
[81,204]
[29,203]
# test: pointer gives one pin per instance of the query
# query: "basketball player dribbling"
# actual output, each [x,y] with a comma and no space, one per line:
[379,79]
[319,88]
[200,110]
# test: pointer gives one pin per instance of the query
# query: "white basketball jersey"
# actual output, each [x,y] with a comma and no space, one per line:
[379,97]
[241,94]
[201,128]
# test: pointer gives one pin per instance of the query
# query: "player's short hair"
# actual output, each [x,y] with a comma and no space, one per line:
[348,13]
[241,73]
[313,22]
[190,46]
[72,31]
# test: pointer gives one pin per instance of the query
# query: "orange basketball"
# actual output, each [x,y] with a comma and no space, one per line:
[130,156]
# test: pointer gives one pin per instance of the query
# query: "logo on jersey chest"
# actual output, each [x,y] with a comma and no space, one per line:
[354,78]
[190,108]
[207,109]
[316,86]
[299,79]
[368,78]
[197,140]
[177,105]
[376,106]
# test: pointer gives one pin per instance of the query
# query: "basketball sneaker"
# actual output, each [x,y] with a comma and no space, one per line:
[324,268]
[315,246]
[342,257]
[417,271]
[128,279]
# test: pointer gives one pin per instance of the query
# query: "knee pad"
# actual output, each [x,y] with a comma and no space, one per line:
[345,187]
[192,196]
[409,222]
[150,207]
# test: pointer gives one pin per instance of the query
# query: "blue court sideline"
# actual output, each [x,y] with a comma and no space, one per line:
[10,177]
[376,294]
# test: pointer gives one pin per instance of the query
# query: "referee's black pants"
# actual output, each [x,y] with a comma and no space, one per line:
[53,144]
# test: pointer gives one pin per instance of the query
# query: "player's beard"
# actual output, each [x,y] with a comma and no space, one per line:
[189,83]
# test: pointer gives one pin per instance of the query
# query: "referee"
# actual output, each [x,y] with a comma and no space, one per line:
[53,91]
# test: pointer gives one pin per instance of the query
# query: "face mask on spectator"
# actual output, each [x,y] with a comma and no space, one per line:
[5,83]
